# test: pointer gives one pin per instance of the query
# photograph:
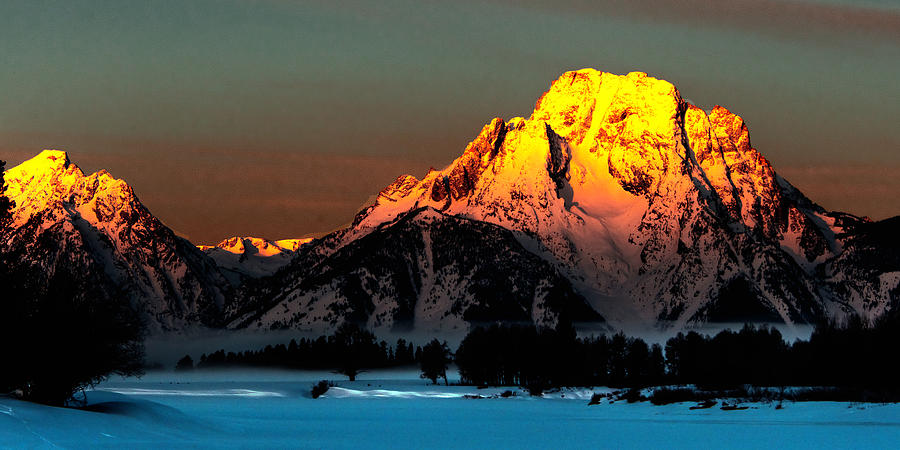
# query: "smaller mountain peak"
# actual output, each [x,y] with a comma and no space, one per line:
[54,155]
[249,245]
[40,178]
[47,161]
[232,245]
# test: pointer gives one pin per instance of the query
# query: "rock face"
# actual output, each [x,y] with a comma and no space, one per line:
[243,258]
[93,229]
[654,210]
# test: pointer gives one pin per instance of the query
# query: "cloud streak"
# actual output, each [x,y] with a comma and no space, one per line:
[789,18]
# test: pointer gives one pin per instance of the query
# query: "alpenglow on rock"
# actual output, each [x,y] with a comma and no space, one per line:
[243,258]
[654,210]
[92,229]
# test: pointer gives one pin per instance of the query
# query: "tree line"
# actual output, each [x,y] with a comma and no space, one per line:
[348,351]
[850,354]
[539,358]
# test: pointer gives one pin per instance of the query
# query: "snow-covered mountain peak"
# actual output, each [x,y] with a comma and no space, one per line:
[589,105]
[249,245]
[620,180]
[243,257]
[50,181]
[49,167]
[94,228]
[632,121]
[48,161]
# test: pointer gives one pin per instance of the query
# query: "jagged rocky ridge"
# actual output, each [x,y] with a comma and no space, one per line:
[615,200]
[654,210]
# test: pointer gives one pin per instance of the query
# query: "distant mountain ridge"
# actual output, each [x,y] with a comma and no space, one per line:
[615,201]
[241,258]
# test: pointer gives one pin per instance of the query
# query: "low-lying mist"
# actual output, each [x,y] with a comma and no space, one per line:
[165,350]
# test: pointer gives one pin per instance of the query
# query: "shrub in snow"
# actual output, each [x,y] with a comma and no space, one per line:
[596,399]
[320,388]
[633,395]
[664,396]
[535,389]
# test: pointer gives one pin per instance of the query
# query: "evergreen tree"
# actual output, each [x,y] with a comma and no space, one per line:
[185,364]
[618,349]
[657,367]
[436,356]
[637,363]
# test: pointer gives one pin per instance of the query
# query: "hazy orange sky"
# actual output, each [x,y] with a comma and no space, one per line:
[279,118]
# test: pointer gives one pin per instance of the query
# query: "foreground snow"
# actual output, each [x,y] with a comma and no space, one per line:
[397,410]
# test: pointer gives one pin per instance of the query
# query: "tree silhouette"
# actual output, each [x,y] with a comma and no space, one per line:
[354,348]
[185,364]
[436,356]
[64,337]
[404,353]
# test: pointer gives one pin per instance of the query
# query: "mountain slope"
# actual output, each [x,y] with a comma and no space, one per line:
[92,228]
[426,270]
[866,274]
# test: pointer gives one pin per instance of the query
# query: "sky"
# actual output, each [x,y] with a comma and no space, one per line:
[282,118]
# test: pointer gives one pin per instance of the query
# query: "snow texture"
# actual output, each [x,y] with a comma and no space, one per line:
[397,410]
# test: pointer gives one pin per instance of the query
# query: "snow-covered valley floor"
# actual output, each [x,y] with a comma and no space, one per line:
[398,410]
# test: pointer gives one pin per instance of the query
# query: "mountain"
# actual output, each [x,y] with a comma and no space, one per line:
[94,230]
[241,258]
[652,209]
[615,202]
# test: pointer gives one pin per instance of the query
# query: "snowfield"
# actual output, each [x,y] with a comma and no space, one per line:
[397,410]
